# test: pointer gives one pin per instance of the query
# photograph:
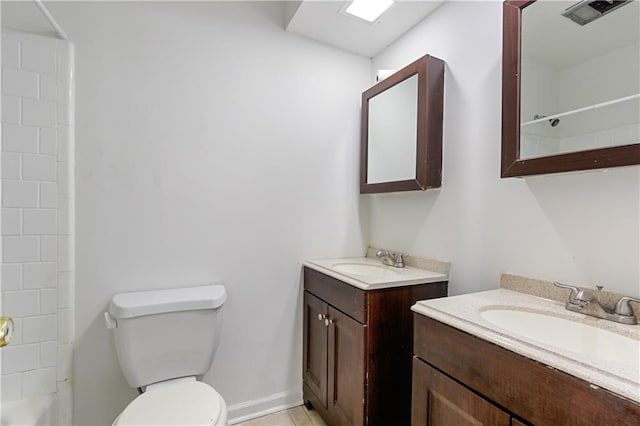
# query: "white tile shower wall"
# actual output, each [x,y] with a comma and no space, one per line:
[37,217]
[601,139]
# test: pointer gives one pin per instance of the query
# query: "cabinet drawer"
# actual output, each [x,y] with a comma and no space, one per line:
[346,298]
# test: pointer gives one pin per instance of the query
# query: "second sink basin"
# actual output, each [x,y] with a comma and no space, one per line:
[569,335]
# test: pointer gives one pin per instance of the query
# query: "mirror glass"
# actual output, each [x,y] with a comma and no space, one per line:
[393,124]
[580,82]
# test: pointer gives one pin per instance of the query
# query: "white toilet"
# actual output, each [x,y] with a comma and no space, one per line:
[166,340]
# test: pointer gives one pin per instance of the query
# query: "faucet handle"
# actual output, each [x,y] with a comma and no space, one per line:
[399,259]
[382,253]
[623,307]
[574,290]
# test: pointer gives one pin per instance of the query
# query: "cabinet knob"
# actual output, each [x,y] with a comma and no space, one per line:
[328,321]
[321,317]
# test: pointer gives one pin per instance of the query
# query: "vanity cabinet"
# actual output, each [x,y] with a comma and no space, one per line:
[334,344]
[357,347]
[461,379]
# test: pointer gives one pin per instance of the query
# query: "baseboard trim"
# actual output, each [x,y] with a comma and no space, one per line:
[238,413]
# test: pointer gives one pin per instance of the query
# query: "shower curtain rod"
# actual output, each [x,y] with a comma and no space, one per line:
[49,17]
[587,108]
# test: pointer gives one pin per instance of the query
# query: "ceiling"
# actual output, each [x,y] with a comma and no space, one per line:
[323,21]
[547,35]
[319,20]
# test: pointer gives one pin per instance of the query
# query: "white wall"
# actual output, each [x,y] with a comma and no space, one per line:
[37,217]
[211,147]
[580,228]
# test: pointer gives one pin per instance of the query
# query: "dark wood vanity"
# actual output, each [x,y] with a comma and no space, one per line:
[357,349]
[459,379]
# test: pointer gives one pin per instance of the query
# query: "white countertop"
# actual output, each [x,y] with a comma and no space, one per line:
[389,276]
[464,313]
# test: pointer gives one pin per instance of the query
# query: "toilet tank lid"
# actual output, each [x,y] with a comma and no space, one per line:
[140,303]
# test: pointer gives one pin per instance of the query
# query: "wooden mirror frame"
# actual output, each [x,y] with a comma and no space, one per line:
[512,165]
[430,71]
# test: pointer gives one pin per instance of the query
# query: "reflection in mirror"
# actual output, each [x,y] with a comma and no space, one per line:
[393,123]
[580,84]
[401,146]
[570,86]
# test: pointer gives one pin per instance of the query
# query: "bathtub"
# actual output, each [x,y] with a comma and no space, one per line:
[32,411]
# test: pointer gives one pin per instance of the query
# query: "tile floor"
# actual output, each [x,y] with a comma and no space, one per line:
[297,416]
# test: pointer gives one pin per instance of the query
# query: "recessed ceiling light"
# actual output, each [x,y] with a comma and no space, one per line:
[369,10]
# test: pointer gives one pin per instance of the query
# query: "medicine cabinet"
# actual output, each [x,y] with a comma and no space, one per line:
[401,147]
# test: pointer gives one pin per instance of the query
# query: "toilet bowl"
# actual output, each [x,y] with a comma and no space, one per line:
[191,403]
[165,341]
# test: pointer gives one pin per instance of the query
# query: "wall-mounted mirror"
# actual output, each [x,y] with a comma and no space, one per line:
[401,146]
[571,86]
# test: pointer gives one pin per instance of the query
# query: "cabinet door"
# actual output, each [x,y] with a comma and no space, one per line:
[439,400]
[346,368]
[315,346]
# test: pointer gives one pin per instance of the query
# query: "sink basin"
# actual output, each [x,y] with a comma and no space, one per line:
[365,270]
[568,335]
[368,274]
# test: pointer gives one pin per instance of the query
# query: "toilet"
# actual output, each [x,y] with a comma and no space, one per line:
[166,341]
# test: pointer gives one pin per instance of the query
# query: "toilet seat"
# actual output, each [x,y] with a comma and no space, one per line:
[191,403]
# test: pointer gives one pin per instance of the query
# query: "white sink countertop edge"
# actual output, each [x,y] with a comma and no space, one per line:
[416,275]
[464,313]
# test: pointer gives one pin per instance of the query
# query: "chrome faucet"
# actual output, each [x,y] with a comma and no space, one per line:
[584,302]
[391,259]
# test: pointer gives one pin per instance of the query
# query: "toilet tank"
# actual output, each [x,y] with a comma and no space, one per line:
[166,334]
